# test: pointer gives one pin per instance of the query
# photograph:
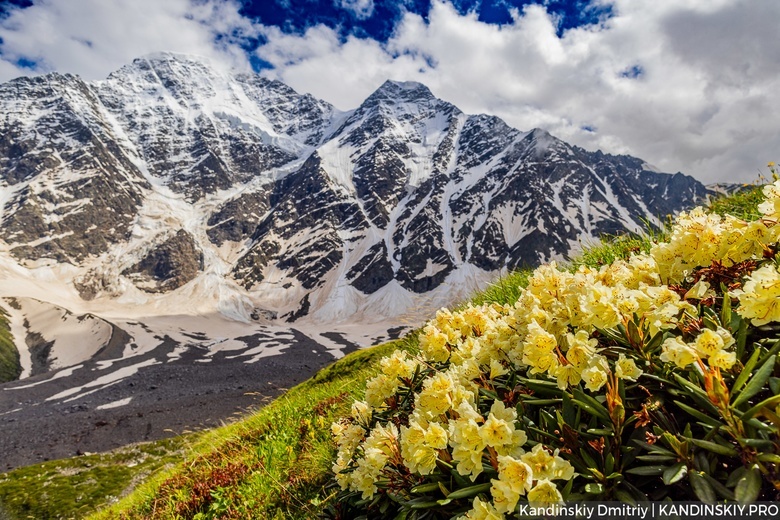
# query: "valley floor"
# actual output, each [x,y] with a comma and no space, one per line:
[110,400]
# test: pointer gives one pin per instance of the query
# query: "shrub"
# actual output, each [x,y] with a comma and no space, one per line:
[597,384]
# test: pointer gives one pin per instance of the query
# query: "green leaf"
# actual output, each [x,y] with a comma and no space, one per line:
[542,433]
[609,463]
[745,374]
[568,411]
[657,458]
[774,385]
[750,412]
[469,491]
[719,488]
[748,487]
[756,383]
[725,311]
[633,335]
[588,459]
[772,351]
[566,491]
[690,386]
[769,457]
[539,402]
[761,444]
[714,447]
[460,480]
[696,393]
[625,497]
[595,489]
[422,505]
[634,491]
[600,431]
[699,415]
[589,404]
[701,487]
[655,342]
[654,448]
[735,476]
[402,515]
[488,393]
[425,488]
[646,470]
[674,473]
[741,337]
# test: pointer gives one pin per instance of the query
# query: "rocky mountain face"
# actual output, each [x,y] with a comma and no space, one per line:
[172,181]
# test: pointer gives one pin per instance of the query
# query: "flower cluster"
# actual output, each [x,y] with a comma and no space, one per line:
[458,409]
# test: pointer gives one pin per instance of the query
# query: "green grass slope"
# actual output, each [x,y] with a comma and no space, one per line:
[74,488]
[10,369]
[273,464]
[276,462]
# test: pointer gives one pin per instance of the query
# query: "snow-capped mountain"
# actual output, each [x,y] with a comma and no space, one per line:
[175,187]
[176,234]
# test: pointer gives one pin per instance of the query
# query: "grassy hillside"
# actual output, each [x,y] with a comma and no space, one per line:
[10,368]
[273,464]
[74,488]
[276,462]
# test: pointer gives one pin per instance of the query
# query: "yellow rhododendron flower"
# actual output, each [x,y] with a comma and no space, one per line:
[496,432]
[539,349]
[708,343]
[581,348]
[723,359]
[483,511]
[594,377]
[361,412]
[517,473]
[771,206]
[514,479]
[546,466]
[675,350]
[699,291]
[625,368]
[759,299]
[544,493]
[497,369]
[435,398]
[599,302]
[433,344]
[567,375]
[419,446]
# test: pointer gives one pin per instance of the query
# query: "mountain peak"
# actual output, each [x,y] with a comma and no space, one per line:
[167,65]
[166,56]
[402,91]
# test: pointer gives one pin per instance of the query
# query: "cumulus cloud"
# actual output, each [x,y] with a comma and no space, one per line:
[688,85]
[93,37]
[361,9]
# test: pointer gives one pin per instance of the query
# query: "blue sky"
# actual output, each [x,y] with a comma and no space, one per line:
[688,85]
[377,18]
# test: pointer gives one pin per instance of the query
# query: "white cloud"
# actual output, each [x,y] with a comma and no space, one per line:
[361,9]
[703,102]
[94,37]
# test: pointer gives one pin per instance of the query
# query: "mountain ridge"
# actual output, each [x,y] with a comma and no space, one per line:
[282,203]
[178,230]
